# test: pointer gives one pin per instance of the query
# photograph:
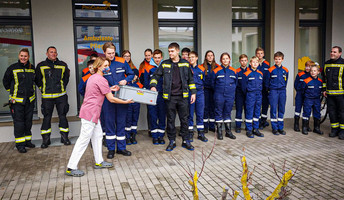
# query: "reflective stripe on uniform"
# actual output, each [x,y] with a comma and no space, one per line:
[63,68]
[280,119]
[165,96]
[17,99]
[185,94]
[219,121]
[248,120]
[161,131]
[28,137]
[192,86]
[336,92]
[227,121]
[274,120]
[297,114]
[238,120]
[190,127]
[183,64]
[305,118]
[335,125]
[120,138]
[54,95]
[20,140]
[110,137]
[256,119]
[153,81]
[66,130]
[127,129]
[264,116]
[133,127]
[211,120]
[200,126]
[166,65]
[45,131]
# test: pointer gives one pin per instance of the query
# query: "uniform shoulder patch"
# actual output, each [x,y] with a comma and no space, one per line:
[266,62]
[320,79]
[260,72]
[201,67]
[85,70]
[84,78]
[232,68]
[301,73]
[307,80]
[217,69]
[272,69]
[285,69]
[247,72]
[238,70]
[139,84]
[120,59]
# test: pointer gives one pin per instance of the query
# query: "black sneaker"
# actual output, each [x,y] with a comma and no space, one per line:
[186,144]
[155,141]
[275,132]
[171,145]
[334,132]
[111,154]
[249,134]
[161,140]
[29,144]
[258,133]
[282,132]
[124,152]
[237,129]
[128,141]
[21,149]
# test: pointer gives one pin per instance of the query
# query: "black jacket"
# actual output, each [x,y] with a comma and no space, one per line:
[19,81]
[165,71]
[333,76]
[52,78]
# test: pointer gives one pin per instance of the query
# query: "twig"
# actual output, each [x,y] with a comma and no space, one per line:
[180,164]
[274,168]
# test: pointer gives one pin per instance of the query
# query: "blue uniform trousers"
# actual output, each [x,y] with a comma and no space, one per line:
[265,104]
[132,119]
[223,108]
[277,100]
[209,114]
[299,98]
[253,105]
[310,104]
[157,115]
[197,107]
[115,121]
[240,99]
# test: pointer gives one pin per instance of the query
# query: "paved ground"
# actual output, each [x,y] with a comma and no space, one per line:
[151,173]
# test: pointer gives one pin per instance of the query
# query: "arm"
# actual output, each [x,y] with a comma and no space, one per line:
[244,84]
[8,77]
[156,76]
[38,77]
[66,75]
[113,99]
[82,87]
[130,74]
[297,82]
[267,80]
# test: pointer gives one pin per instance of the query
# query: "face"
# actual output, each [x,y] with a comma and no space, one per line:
[148,56]
[210,57]
[254,64]
[225,60]
[51,54]
[260,54]
[104,65]
[314,72]
[90,68]
[157,58]
[110,53]
[243,62]
[173,53]
[185,55]
[335,54]
[278,61]
[23,57]
[127,57]
[307,68]
[193,59]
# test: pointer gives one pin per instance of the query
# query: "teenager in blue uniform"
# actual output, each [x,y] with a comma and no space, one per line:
[312,87]
[240,97]
[158,112]
[134,108]
[276,83]
[115,114]
[83,80]
[252,84]
[209,115]
[198,106]
[299,97]
[264,68]
[224,81]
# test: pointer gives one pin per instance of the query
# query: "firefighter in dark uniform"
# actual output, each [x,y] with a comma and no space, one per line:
[333,76]
[178,81]
[52,76]
[19,81]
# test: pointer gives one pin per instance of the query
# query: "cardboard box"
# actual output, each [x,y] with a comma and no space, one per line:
[138,95]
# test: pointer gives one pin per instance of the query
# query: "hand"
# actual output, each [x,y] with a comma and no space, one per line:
[122,82]
[129,101]
[153,89]
[193,98]
[114,88]
[325,94]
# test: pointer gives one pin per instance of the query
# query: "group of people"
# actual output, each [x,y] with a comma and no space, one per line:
[207,91]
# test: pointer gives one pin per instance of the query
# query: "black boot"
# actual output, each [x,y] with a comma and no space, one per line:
[111,154]
[29,144]
[305,123]
[64,138]
[228,131]
[191,133]
[133,138]
[201,136]
[334,132]
[219,130]
[104,141]
[21,148]
[46,140]
[296,124]
[257,132]
[317,127]
[205,129]
[187,145]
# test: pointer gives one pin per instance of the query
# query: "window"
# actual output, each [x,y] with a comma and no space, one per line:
[177,23]
[15,34]
[311,34]
[247,28]
[95,22]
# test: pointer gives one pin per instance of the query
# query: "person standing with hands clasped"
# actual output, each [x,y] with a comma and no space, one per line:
[178,80]
[97,89]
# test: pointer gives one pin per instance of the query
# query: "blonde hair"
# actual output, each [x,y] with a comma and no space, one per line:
[108,45]
[254,58]
[99,62]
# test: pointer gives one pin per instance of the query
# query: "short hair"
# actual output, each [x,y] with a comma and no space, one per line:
[310,63]
[224,54]
[99,62]
[243,56]
[254,58]
[279,54]
[90,62]
[317,66]
[95,54]
[339,48]
[185,49]
[194,52]
[150,50]
[51,47]
[174,45]
[157,51]
[26,50]
[109,45]
[259,49]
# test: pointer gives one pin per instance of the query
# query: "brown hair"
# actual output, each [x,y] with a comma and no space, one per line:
[310,63]
[259,49]
[205,62]
[142,64]
[279,54]
[194,53]
[131,64]
[26,50]
[99,62]
[157,51]
[108,45]
[224,54]
[339,48]
[174,45]
[243,56]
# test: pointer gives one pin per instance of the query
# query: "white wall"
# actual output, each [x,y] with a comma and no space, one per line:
[337,24]
[284,29]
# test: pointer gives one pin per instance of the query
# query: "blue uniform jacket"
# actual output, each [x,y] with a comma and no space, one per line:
[277,78]
[119,70]
[264,68]
[224,81]
[300,77]
[240,72]
[207,78]
[312,87]
[199,76]
[150,75]
[82,84]
[252,81]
